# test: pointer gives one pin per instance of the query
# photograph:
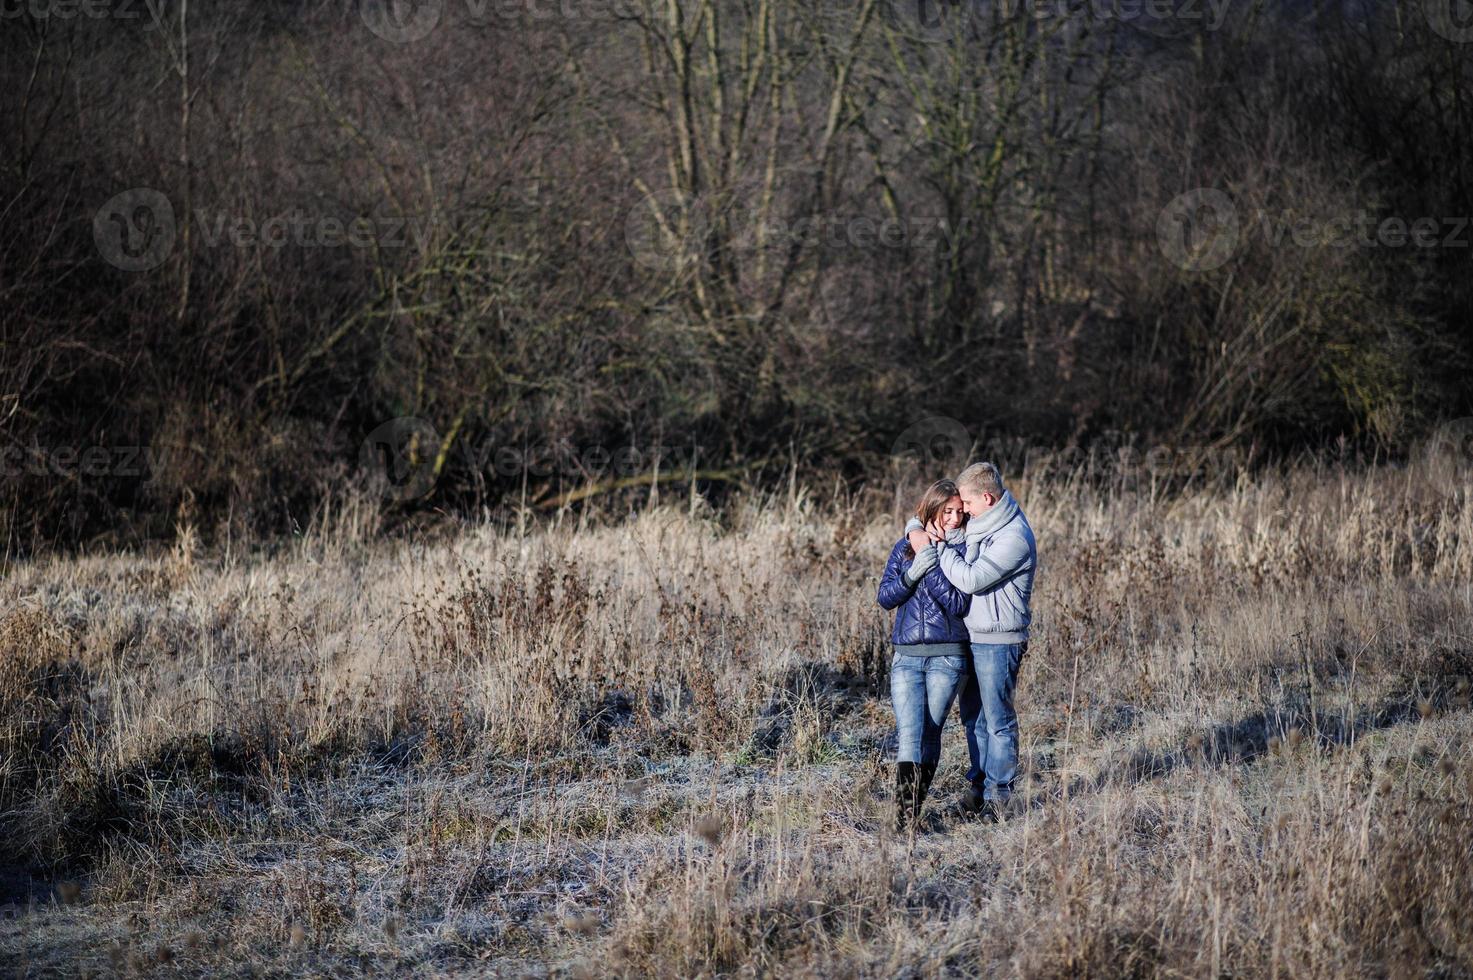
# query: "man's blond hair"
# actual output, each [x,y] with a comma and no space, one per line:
[983,478]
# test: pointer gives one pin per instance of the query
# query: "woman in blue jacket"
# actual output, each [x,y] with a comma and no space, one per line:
[931,649]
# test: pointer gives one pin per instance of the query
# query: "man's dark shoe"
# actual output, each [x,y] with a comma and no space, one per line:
[971,801]
[991,811]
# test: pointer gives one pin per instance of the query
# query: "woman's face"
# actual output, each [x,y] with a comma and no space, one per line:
[951,515]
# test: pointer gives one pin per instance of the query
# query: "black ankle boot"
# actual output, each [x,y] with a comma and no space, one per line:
[905,795]
[927,773]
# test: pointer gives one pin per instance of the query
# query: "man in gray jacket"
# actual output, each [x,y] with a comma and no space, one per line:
[997,572]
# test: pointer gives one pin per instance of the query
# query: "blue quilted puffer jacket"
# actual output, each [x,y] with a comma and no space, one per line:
[931,612]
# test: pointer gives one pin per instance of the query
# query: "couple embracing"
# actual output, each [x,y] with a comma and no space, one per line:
[960,581]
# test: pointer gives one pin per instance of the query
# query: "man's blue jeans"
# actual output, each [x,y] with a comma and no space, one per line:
[921,691]
[989,719]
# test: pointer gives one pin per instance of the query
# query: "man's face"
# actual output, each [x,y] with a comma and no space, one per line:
[976,502]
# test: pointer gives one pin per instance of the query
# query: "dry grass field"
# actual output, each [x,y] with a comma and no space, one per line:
[656,746]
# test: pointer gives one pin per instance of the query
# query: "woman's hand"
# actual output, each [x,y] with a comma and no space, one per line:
[925,560]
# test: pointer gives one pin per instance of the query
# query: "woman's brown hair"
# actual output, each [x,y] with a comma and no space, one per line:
[934,499]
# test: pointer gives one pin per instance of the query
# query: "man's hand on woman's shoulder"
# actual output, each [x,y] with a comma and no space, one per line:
[919,539]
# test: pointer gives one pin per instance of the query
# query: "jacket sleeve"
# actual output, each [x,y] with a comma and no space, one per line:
[893,590]
[947,596]
[996,564]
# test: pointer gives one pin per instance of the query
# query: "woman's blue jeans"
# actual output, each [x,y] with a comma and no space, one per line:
[921,691]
